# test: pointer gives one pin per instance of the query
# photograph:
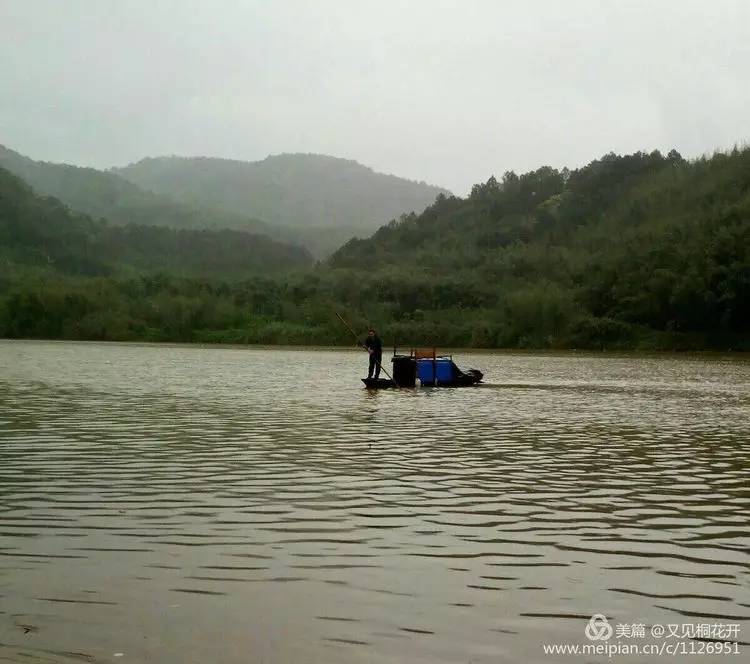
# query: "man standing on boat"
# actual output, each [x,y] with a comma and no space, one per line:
[375,347]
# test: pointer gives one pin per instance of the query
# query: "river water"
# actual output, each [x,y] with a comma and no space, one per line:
[177,504]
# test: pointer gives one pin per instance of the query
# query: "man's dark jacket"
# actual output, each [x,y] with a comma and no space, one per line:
[374,344]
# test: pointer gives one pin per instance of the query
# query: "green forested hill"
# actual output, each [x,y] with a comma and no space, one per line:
[106,195]
[43,233]
[65,275]
[323,200]
[639,249]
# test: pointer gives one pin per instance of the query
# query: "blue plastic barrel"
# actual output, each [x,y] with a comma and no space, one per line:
[443,368]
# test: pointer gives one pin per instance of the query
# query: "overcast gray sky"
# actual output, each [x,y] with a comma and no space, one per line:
[447,92]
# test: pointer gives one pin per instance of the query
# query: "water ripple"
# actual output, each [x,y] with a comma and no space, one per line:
[152,494]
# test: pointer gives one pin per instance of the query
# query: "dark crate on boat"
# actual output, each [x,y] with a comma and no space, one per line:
[404,370]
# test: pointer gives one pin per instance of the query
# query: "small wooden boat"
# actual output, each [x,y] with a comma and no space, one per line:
[427,367]
[378,383]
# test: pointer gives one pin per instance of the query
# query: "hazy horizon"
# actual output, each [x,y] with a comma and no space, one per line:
[437,91]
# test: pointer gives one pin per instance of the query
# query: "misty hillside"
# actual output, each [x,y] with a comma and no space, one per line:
[106,195]
[41,233]
[311,193]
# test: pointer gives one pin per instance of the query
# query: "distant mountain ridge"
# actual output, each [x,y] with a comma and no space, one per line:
[103,194]
[308,194]
[314,201]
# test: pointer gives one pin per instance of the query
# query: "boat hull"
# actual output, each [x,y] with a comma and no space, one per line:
[462,379]
[378,383]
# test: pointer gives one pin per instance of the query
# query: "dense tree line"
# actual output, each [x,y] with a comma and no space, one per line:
[638,251]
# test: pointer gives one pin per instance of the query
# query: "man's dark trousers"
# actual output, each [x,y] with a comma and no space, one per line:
[375,359]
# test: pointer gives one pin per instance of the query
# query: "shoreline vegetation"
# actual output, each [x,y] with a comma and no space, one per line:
[643,252]
[387,350]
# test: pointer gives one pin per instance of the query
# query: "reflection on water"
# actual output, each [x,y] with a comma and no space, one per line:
[182,504]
